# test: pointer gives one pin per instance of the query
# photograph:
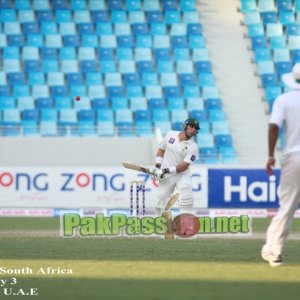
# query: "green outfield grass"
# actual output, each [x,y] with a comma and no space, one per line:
[128,268]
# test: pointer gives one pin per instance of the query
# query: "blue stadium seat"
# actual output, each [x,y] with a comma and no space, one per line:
[200,115]
[187,79]
[133,91]
[60,4]
[93,78]
[125,129]
[49,53]
[11,53]
[49,66]
[88,66]
[3,79]
[21,91]
[107,66]
[20,4]
[25,16]
[55,78]
[213,103]
[74,79]
[30,28]
[63,103]
[157,103]
[268,17]
[78,5]
[44,103]
[16,78]
[125,41]
[176,103]
[283,67]
[172,17]
[115,91]
[220,128]
[133,5]
[69,66]
[258,42]
[205,140]
[143,41]
[78,90]
[162,54]
[269,80]
[191,91]
[223,140]
[155,16]
[179,42]
[85,28]
[216,115]
[196,42]
[143,128]
[171,91]
[32,66]
[145,66]
[63,15]
[105,115]
[107,54]
[67,53]
[131,79]
[119,103]
[160,115]
[16,40]
[138,103]
[40,5]
[195,104]
[71,40]
[89,41]
[7,102]
[35,40]
[57,91]
[164,126]
[11,115]
[139,28]
[96,91]
[286,17]
[45,15]
[100,103]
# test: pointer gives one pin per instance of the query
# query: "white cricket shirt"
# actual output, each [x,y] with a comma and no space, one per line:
[177,151]
[286,110]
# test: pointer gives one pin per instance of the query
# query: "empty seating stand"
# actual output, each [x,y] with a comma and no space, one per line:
[135,64]
[276,42]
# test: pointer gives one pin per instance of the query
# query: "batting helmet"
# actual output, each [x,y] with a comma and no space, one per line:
[192,121]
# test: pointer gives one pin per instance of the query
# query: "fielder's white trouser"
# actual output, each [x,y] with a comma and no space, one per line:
[289,200]
[183,184]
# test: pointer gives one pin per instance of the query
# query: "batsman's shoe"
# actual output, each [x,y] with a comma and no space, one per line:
[172,201]
[273,260]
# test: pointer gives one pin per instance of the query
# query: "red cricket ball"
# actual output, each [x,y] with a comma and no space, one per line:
[77,98]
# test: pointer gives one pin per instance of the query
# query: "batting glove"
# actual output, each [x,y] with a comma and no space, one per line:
[157,174]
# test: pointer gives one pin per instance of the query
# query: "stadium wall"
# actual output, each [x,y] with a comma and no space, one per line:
[75,151]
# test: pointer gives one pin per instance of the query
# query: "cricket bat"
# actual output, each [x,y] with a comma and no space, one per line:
[169,235]
[136,167]
[172,201]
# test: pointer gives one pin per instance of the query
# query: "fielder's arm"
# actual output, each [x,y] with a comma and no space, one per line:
[273,136]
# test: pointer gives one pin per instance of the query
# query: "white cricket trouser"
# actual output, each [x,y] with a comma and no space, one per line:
[289,200]
[183,183]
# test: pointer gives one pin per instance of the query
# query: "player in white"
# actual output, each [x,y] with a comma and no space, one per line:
[176,152]
[286,111]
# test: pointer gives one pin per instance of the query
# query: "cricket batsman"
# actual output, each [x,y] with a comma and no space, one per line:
[176,152]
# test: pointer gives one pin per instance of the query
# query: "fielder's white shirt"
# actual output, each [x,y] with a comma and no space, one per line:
[286,110]
[177,151]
